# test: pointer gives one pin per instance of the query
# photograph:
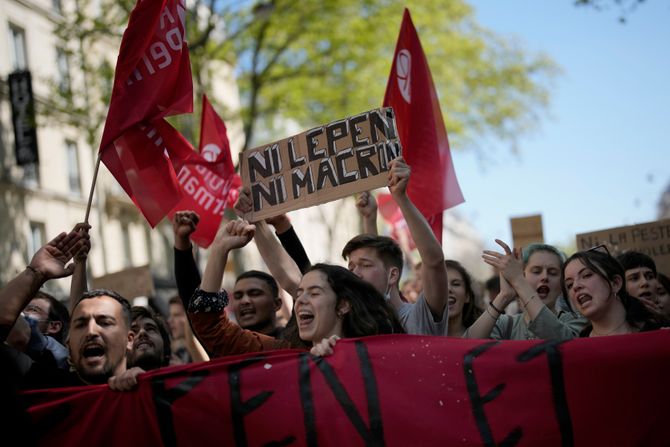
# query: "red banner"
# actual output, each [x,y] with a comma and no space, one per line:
[411,92]
[395,390]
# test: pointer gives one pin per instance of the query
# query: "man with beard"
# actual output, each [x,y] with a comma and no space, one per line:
[100,324]
[151,343]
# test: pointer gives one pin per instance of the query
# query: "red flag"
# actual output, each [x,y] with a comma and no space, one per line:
[214,145]
[152,80]
[411,92]
[147,174]
[153,70]
[208,179]
[392,214]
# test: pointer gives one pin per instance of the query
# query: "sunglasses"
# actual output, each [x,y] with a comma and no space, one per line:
[602,248]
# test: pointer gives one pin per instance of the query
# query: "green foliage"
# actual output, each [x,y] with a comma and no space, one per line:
[311,62]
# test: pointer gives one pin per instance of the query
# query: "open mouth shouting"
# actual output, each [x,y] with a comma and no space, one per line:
[144,345]
[93,353]
[451,302]
[305,318]
[647,295]
[584,300]
[543,292]
[247,312]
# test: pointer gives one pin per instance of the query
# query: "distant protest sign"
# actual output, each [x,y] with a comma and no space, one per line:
[527,230]
[326,163]
[130,283]
[651,238]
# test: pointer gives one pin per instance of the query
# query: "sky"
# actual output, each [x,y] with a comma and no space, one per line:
[600,157]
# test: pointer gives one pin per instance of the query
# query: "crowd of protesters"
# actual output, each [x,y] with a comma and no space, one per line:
[99,338]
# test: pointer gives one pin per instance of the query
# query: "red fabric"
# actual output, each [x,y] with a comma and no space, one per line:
[392,214]
[411,93]
[152,81]
[146,175]
[214,145]
[153,69]
[396,390]
[208,179]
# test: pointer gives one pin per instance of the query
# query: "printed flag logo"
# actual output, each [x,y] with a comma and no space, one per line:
[404,74]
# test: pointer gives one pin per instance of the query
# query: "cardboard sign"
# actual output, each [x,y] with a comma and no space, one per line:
[527,230]
[326,163]
[129,283]
[652,239]
[397,390]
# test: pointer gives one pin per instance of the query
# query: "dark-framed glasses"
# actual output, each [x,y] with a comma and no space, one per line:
[602,248]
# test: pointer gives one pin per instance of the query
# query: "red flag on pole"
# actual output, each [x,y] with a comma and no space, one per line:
[411,92]
[391,213]
[152,81]
[208,179]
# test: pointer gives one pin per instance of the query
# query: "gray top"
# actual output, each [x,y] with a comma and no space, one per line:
[417,319]
[547,326]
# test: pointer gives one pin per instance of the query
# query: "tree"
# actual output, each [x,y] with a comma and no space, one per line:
[315,61]
[625,6]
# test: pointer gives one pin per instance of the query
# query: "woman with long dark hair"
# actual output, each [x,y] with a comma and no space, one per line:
[330,301]
[461,299]
[595,283]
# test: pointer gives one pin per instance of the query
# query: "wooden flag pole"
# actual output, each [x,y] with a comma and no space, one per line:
[90,195]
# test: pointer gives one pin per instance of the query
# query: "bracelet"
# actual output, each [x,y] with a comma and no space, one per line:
[525,305]
[202,301]
[490,314]
[35,272]
[500,312]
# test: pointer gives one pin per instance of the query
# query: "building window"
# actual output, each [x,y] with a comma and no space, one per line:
[63,71]
[127,249]
[57,6]
[73,167]
[35,238]
[18,43]
[31,175]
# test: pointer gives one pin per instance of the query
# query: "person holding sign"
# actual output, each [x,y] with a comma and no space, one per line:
[379,260]
[536,283]
[596,285]
[330,301]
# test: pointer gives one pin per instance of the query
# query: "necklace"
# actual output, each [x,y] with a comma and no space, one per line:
[599,334]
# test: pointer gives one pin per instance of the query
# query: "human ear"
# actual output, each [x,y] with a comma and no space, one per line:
[343,308]
[394,275]
[616,283]
[131,337]
[278,303]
